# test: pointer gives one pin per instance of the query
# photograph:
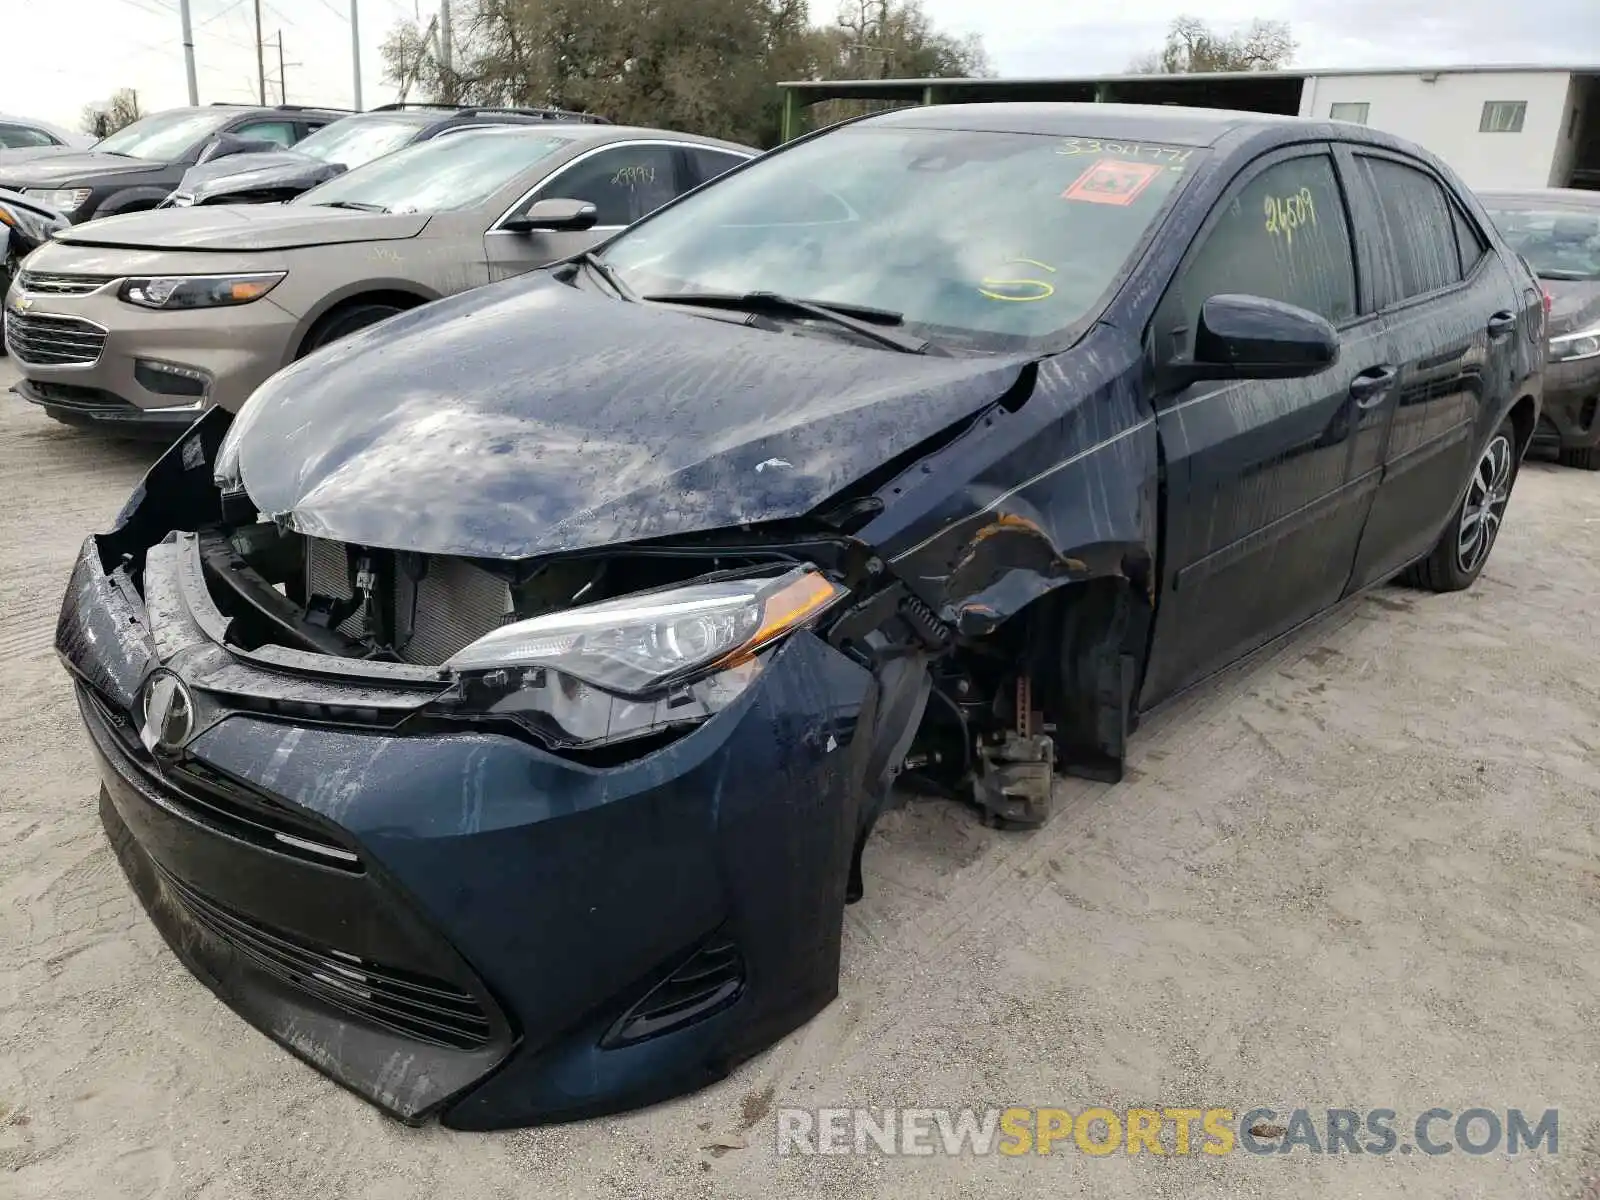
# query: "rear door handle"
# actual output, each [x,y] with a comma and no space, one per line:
[1502,323]
[1372,385]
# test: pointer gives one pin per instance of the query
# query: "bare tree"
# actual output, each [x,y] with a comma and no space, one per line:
[1193,46]
[102,120]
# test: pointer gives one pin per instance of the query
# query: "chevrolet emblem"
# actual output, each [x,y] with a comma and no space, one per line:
[24,303]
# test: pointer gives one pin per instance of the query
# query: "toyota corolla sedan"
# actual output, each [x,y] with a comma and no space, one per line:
[141,322]
[495,712]
[1557,230]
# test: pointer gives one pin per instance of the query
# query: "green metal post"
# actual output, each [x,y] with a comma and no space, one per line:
[791,114]
[930,95]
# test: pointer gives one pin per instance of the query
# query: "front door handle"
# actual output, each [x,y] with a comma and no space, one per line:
[1372,385]
[1502,323]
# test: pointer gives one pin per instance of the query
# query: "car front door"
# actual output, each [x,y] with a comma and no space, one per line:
[623,180]
[1265,500]
[1450,312]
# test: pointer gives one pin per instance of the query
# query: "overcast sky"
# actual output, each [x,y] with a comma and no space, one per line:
[62,54]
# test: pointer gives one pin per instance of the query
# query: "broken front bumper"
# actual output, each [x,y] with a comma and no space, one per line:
[457,922]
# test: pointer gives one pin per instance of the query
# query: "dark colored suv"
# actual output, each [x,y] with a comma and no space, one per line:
[270,177]
[136,167]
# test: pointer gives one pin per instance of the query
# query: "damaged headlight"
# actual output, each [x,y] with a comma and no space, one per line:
[640,644]
[638,665]
[199,291]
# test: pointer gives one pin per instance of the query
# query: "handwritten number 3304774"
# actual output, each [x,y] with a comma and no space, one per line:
[1285,214]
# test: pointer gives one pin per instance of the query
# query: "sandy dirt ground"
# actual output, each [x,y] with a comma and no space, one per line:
[1364,872]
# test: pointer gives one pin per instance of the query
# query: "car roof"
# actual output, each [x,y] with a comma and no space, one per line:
[597,135]
[1172,124]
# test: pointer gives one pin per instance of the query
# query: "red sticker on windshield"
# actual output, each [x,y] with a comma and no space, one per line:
[1111,181]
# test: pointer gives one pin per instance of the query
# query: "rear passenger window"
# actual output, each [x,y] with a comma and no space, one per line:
[1468,240]
[1282,237]
[1419,226]
[624,184]
[708,164]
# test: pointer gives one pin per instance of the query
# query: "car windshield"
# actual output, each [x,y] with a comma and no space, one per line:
[438,176]
[17,137]
[358,140]
[1559,243]
[991,241]
[164,136]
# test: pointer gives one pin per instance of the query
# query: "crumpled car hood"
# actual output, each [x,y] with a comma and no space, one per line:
[253,172]
[530,418]
[1574,305]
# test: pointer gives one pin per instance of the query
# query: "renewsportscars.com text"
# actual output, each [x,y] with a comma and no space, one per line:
[1098,1132]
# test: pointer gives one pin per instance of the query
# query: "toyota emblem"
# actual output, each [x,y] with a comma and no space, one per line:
[168,717]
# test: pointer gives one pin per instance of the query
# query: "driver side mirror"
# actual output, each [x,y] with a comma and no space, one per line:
[1251,337]
[230,144]
[554,216]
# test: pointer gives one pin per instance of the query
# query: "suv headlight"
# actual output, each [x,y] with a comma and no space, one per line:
[1569,347]
[646,642]
[66,200]
[198,291]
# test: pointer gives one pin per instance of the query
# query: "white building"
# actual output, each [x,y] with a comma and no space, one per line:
[1499,127]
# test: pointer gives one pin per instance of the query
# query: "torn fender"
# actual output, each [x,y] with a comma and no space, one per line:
[1059,488]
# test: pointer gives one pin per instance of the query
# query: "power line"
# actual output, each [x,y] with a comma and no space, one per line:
[220,13]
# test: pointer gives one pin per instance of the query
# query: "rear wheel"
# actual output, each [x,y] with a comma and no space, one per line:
[342,322]
[1585,459]
[1463,548]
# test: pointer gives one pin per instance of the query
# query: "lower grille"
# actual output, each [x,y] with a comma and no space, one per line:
[414,1006]
[70,397]
[43,340]
[451,606]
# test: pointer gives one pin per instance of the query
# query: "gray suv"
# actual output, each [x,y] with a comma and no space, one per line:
[141,321]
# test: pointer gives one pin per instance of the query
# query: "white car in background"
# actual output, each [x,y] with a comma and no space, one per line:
[28,137]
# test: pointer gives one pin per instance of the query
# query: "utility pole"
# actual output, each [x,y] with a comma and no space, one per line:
[261,62]
[355,52]
[188,51]
[283,75]
[444,37]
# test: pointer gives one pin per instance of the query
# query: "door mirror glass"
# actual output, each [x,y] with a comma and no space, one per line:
[1251,337]
[554,215]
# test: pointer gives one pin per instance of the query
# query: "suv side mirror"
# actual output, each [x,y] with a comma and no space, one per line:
[554,216]
[1251,337]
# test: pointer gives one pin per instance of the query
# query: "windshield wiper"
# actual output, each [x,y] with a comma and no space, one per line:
[357,205]
[607,273]
[858,318]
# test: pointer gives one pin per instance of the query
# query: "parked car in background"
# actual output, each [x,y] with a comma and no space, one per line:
[1557,230]
[139,165]
[275,176]
[141,321]
[24,225]
[30,134]
[501,727]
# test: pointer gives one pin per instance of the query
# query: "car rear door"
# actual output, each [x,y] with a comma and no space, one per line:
[1264,503]
[623,180]
[1451,316]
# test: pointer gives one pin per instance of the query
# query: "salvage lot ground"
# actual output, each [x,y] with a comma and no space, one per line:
[1364,872]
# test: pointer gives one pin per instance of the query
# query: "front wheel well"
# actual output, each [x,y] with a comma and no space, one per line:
[389,297]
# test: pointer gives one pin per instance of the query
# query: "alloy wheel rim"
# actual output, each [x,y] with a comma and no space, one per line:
[1485,505]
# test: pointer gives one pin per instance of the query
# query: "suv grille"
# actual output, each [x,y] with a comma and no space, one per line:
[44,283]
[415,1006]
[42,340]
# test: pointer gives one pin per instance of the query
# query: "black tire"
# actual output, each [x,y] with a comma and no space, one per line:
[1586,458]
[1467,541]
[342,322]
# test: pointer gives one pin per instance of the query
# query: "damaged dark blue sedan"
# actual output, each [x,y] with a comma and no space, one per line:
[495,715]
